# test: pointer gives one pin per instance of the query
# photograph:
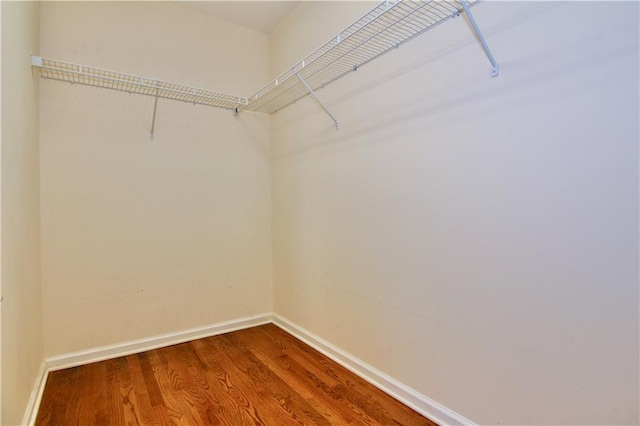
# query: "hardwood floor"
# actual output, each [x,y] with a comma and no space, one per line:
[261,376]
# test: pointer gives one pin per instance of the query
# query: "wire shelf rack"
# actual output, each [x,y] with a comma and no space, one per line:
[98,77]
[384,28]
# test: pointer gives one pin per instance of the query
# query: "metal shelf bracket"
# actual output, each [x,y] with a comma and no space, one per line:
[152,136]
[36,61]
[495,69]
[312,93]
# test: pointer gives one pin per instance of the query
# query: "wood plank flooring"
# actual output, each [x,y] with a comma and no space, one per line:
[257,376]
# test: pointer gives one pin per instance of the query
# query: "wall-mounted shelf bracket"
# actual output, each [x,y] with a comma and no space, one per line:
[36,61]
[312,93]
[495,70]
[153,120]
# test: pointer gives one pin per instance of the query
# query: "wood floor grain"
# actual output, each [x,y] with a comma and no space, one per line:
[258,376]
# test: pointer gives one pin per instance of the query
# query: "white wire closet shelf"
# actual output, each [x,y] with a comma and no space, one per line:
[382,29]
[108,79]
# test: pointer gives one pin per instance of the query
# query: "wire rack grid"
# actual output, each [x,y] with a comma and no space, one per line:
[384,28]
[98,77]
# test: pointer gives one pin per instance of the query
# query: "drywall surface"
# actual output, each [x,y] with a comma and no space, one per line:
[21,285]
[474,237]
[141,237]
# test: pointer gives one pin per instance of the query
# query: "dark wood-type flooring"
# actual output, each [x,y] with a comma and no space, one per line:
[257,376]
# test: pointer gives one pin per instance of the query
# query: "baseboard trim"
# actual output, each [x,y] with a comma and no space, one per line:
[422,404]
[141,345]
[33,404]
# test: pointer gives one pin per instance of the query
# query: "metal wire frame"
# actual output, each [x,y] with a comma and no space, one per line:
[385,27]
[98,77]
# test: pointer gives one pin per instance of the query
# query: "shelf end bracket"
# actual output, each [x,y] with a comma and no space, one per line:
[495,69]
[312,93]
[36,61]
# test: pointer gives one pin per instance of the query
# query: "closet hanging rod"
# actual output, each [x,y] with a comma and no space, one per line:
[108,79]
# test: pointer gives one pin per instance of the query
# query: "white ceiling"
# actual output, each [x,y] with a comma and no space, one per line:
[259,15]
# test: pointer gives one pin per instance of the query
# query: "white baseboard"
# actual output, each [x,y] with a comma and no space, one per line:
[136,346]
[33,404]
[422,404]
[102,353]
[387,384]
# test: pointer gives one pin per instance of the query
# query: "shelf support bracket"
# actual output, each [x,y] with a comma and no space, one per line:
[495,69]
[36,61]
[153,120]
[312,93]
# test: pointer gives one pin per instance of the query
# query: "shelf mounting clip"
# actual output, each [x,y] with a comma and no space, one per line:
[495,69]
[312,93]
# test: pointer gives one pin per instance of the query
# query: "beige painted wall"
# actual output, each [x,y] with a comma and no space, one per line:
[475,238]
[21,285]
[141,238]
